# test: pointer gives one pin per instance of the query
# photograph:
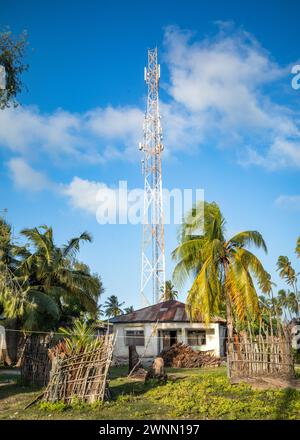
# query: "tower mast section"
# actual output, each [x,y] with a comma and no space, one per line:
[153,247]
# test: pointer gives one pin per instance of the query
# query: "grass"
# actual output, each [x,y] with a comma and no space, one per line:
[189,394]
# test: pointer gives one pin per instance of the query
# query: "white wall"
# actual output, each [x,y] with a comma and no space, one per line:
[214,341]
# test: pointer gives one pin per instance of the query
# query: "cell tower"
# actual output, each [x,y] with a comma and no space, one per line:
[153,247]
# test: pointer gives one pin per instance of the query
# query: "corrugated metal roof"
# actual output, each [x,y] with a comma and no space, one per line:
[167,311]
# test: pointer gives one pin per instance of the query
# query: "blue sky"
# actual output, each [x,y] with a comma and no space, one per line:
[229,114]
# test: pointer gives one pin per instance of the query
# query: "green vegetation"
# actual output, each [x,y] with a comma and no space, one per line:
[44,285]
[224,269]
[189,393]
[169,292]
[12,51]
[289,301]
[113,307]
[221,400]
[79,337]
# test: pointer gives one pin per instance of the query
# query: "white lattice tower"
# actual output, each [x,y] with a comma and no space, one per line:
[153,249]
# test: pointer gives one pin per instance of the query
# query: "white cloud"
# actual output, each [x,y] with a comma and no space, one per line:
[288,202]
[218,94]
[108,204]
[84,194]
[25,177]
[89,137]
[221,81]
[282,153]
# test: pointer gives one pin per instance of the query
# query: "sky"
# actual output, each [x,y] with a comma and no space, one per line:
[230,120]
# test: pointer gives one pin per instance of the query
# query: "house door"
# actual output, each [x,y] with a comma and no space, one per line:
[167,338]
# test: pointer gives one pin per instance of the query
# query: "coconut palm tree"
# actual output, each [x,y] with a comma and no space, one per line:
[223,269]
[113,307]
[288,273]
[129,309]
[293,304]
[283,301]
[169,292]
[51,279]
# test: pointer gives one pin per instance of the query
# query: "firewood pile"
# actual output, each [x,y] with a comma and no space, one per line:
[183,356]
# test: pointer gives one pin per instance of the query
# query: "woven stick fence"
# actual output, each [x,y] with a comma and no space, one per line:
[260,356]
[81,376]
[35,362]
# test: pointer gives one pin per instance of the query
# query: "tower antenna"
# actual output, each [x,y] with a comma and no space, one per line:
[153,246]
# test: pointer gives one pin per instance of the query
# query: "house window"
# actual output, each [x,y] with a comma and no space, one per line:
[196,337]
[134,337]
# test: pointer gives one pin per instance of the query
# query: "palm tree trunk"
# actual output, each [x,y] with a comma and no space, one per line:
[229,318]
[297,297]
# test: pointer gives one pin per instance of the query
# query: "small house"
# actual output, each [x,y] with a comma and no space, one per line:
[157,327]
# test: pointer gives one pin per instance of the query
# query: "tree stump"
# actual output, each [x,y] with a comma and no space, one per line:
[134,360]
[157,370]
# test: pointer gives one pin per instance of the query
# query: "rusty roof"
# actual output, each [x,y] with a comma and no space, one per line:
[167,311]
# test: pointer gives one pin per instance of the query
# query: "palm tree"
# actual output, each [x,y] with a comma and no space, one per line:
[169,292]
[283,301]
[286,270]
[52,279]
[129,309]
[223,269]
[113,307]
[288,273]
[293,304]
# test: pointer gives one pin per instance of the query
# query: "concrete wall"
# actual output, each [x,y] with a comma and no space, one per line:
[214,341]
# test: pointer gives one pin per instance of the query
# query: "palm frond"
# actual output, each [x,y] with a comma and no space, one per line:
[249,238]
[44,303]
[73,245]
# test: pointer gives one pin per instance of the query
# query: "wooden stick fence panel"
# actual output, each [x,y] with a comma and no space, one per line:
[36,365]
[261,356]
[81,375]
